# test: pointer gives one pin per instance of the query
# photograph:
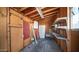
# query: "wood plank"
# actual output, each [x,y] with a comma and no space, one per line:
[16,31]
[33,12]
[36,18]
[28,10]
[44,12]
[53,9]
[35,15]
[47,15]
[40,12]
[23,8]
[3,30]
[50,13]
[46,8]
[16,39]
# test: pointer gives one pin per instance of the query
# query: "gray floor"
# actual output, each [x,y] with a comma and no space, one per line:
[43,45]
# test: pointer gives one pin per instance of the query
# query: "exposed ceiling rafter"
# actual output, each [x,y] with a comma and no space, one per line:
[52,9]
[37,13]
[51,13]
[45,12]
[40,12]
[34,11]
[30,12]
[47,15]
[23,8]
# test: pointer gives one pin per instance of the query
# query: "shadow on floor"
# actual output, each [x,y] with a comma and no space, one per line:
[43,45]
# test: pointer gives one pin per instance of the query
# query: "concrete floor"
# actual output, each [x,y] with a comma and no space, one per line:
[43,45]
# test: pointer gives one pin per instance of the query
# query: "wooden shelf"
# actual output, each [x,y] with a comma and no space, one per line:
[59,36]
[59,29]
[59,19]
[53,25]
[62,27]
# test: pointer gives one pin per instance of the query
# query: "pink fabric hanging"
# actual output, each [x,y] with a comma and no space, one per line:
[26,30]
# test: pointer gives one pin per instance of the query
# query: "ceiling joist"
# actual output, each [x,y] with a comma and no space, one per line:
[44,12]
[51,13]
[30,12]
[34,11]
[52,9]
[37,13]
[40,12]
[23,9]
[46,15]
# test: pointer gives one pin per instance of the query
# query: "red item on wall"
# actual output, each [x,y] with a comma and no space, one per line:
[26,30]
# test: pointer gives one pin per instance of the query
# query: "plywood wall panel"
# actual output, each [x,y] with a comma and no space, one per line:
[63,45]
[14,20]
[11,31]
[16,39]
[16,31]
[74,40]
[63,12]
[3,33]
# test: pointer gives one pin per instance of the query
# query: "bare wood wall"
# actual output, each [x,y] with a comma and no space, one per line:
[11,30]
[75,40]
[3,33]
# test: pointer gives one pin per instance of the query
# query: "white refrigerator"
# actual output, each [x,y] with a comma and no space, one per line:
[42,31]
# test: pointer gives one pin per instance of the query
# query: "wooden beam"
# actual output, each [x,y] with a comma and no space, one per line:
[36,18]
[52,9]
[40,12]
[45,11]
[23,8]
[33,14]
[33,11]
[47,15]
[36,15]
[46,8]
[27,10]
[50,13]
[30,12]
